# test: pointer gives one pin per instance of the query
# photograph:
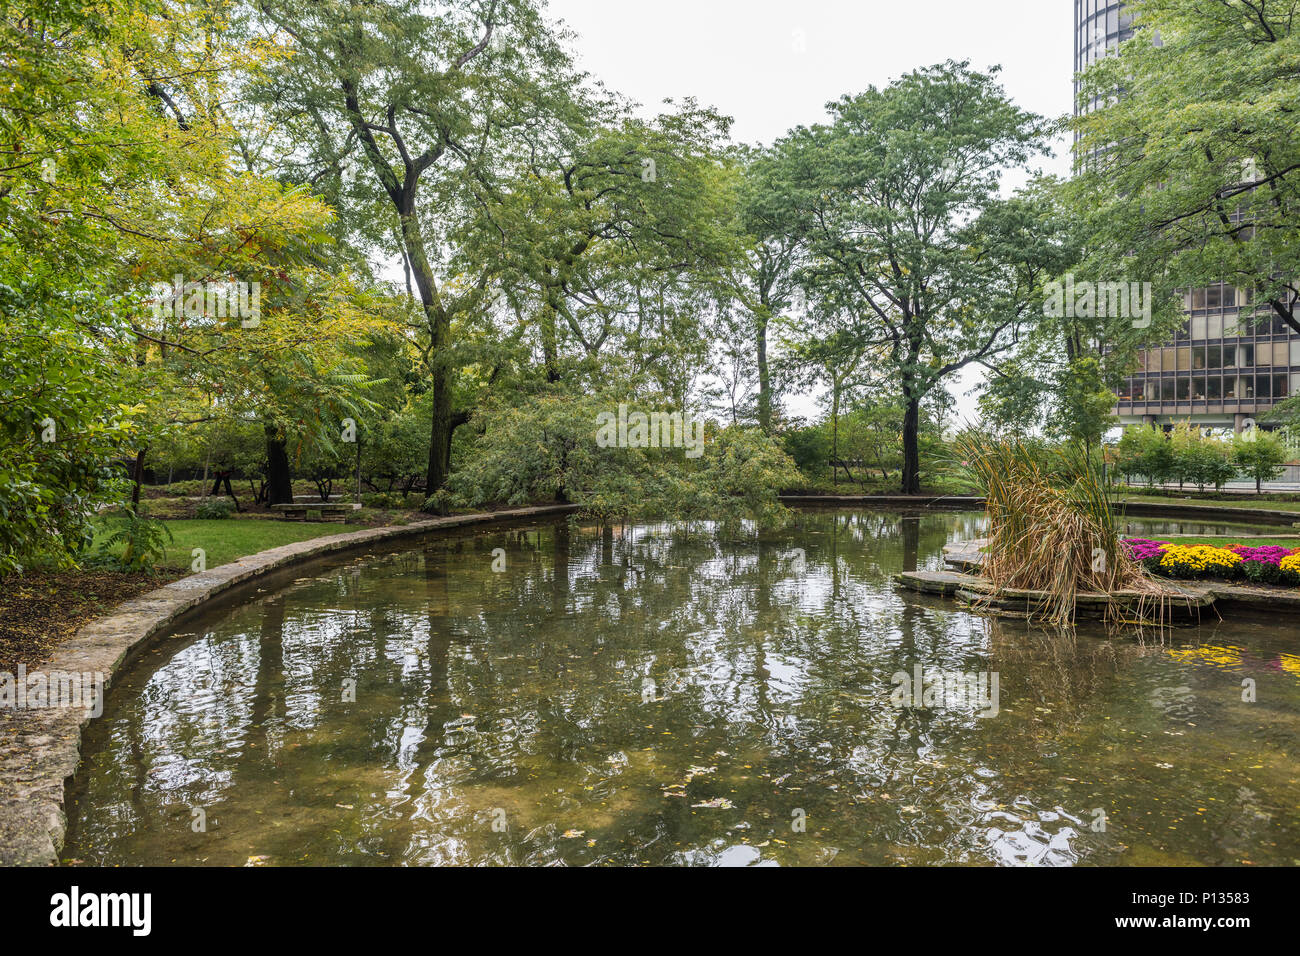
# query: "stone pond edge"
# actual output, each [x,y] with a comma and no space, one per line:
[40,748]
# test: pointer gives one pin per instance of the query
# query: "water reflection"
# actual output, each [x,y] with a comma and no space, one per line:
[639,695]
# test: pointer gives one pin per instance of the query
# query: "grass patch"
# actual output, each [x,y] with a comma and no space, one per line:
[228,540]
[1292,542]
[1246,504]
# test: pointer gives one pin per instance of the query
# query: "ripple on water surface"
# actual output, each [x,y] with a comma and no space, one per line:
[639,696]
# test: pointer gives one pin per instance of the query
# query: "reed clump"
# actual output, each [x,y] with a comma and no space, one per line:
[1051,524]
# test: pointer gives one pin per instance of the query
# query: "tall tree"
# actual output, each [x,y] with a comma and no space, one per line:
[1193,174]
[764,279]
[418,96]
[899,194]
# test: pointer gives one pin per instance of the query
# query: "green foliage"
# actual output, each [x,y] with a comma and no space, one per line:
[214,509]
[146,541]
[809,447]
[741,473]
[1145,451]
[1200,458]
[396,450]
[909,240]
[1260,455]
[1194,172]
[61,432]
[1085,406]
[548,449]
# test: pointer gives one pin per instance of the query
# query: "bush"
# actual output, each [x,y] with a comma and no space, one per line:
[1261,455]
[146,541]
[214,509]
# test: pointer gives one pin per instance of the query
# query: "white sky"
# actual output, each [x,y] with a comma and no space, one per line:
[774,65]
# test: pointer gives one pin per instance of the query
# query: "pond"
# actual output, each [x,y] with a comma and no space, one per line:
[562,694]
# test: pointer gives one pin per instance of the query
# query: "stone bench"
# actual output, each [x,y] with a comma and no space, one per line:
[327,510]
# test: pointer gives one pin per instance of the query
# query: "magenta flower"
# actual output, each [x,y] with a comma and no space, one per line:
[1269,555]
[1140,549]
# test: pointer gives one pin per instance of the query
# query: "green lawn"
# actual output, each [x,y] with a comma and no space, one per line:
[1246,503]
[231,538]
[1293,542]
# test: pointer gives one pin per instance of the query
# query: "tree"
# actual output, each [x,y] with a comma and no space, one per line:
[764,278]
[1260,455]
[418,96]
[1193,174]
[1200,458]
[604,233]
[1146,451]
[899,200]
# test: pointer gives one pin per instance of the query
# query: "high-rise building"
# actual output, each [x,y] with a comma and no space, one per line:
[1230,362]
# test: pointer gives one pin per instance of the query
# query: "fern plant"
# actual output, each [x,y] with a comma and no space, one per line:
[146,541]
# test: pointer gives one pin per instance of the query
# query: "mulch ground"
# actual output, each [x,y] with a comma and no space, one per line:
[41,609]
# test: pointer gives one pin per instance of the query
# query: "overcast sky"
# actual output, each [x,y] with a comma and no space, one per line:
[772,65]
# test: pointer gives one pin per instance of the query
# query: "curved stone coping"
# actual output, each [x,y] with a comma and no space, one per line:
[948,502]
[968,556]
[40,748]
[1213,513]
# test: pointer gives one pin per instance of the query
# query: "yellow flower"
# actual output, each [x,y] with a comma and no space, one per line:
[1199,559]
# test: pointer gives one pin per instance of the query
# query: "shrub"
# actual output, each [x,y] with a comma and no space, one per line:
[214,509]
[146,541]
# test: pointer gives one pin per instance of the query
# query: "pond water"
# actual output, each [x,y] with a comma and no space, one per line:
[639,696]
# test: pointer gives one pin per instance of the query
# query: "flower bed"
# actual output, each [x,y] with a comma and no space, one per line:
[1235,562]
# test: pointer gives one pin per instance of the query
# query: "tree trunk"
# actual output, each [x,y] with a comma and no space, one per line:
[139,478]
[911,484]
[835,431]
[279,481]
[439,324]
[439,436]
[764,376]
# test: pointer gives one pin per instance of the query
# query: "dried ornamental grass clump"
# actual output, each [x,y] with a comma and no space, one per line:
[1051,529]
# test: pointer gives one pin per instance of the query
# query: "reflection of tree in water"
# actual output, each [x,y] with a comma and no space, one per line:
[523,690]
